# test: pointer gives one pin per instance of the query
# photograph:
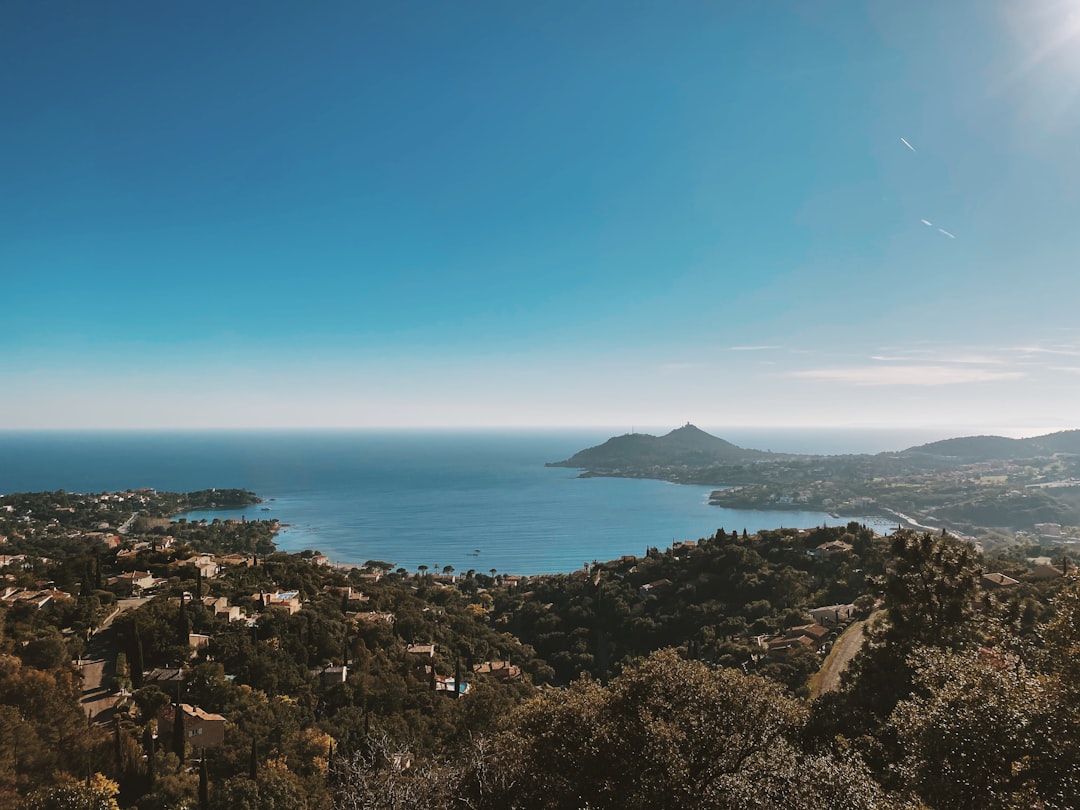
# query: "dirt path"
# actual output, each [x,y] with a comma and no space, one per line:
[843,650]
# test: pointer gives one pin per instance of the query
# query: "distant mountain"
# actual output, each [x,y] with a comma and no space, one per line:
[1065,441]
[990,448]
[687,445]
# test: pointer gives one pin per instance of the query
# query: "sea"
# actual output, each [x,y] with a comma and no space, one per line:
[480,500]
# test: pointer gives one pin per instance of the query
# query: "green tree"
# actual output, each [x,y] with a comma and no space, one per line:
[971,731]
[99,794]
[929,592]
[276,789]
[204,784]
[666,733]
[179,737]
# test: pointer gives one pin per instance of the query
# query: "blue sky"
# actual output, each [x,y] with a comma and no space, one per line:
[491,214]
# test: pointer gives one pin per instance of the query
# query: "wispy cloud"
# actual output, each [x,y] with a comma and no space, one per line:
[753,348]
[1067,351]
[923,355]
[909,375]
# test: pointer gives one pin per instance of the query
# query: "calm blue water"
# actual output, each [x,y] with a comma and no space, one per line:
[471,500]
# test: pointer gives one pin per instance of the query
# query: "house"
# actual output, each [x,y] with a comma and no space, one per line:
[647,589]
[206,565]
[449,685]
[196,641]
[998,580]
[164,675]
[832,615]
[134,582]
[281,600]
[831,549]
[38,599]
[113,541]
[421,650]
[782,647]
[222,609]
[806,636]
[201,728]
[235,559]
[503,670]
[1046,572]
[330,676]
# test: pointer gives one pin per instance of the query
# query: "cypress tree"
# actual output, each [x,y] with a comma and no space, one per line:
[148,747]
[183,624]
[253,765]
[118,750]
[204,785]
[136,665]
[178,735]
[86,587]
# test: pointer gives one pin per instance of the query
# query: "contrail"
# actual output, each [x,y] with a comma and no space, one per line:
[942,230]
[927,223]
[908,145]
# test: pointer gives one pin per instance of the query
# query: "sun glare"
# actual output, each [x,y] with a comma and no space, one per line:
[1050,33]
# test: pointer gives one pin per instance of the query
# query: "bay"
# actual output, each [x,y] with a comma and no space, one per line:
[470,499]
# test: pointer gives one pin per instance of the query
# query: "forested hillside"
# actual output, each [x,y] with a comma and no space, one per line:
[687,677]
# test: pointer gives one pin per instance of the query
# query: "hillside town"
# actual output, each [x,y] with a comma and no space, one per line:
[193,660]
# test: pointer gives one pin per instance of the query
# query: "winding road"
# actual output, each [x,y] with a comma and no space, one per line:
[98,666]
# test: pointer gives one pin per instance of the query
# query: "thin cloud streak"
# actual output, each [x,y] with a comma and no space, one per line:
[1035,350]
[907,375]
[960,359]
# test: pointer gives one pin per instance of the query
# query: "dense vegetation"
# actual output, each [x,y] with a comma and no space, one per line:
[642,682]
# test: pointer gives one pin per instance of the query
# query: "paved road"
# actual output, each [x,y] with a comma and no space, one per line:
[98,666]
[126,526]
